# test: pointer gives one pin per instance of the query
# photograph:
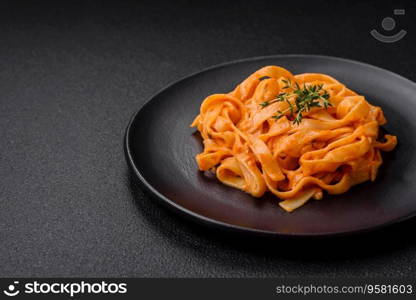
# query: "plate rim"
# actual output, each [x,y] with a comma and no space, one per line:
[232,227]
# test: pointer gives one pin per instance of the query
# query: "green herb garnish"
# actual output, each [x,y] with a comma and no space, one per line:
[306,97]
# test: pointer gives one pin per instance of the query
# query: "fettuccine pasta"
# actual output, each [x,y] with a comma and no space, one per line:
[293,135]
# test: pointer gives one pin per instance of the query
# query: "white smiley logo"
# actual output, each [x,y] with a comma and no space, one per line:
[389,24]
[11,291]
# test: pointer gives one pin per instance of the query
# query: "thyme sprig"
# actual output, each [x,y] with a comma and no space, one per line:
[306,97]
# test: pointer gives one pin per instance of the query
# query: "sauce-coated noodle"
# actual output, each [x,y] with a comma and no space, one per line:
[331,149]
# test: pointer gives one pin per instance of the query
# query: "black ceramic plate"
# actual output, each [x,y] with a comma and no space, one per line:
[160,148]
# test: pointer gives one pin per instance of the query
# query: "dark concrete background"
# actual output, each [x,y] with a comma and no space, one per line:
[72,74]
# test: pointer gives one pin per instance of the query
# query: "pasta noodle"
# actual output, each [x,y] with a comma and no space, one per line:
[268,135]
